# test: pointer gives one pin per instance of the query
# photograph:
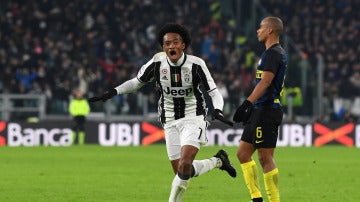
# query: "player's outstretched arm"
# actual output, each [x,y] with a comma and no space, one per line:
[127,87]
[104,97]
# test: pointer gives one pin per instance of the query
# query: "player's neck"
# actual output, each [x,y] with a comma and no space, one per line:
[178,62]
[270,42]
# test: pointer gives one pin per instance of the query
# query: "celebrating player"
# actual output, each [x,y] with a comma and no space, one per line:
[261,113]
[182,109]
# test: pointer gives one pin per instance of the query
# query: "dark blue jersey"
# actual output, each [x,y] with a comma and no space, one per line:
[273,59]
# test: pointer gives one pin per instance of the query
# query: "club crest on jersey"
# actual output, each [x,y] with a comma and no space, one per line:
[176,77]
[187,77]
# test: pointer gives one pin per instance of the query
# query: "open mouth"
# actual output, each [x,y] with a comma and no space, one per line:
[172,52]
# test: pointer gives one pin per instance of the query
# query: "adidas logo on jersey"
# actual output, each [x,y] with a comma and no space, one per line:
[164,78]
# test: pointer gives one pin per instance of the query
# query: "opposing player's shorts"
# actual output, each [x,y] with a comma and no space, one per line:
[184,131]
[262,129]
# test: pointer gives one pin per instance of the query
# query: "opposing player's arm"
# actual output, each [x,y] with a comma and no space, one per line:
[260,88]
[271,64]
[243,112]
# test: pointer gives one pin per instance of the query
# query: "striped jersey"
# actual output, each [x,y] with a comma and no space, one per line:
[273,59]
[178,84]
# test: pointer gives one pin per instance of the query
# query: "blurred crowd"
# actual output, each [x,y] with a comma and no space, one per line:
[54,46]
[328,29]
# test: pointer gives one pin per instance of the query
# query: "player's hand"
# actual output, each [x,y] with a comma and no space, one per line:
[243,112]
[218,114]
[107,95]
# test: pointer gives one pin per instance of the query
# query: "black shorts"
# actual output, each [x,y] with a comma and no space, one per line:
[262,128]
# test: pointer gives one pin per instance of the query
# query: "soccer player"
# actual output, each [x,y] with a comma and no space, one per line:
[182,109]
[261,113]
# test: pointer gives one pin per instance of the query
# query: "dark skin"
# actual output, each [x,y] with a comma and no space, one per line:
[268,36]
[174,47]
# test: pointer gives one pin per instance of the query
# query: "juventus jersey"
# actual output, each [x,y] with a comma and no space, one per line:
[179,85]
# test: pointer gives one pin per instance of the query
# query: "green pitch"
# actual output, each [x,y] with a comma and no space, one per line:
[129,174]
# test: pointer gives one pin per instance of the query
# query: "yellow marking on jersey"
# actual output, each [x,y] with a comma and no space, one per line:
[259,74]
[282,87]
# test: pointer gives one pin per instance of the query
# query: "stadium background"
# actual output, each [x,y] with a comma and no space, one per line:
[48,48]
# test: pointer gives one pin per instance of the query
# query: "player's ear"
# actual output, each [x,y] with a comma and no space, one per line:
[183,45]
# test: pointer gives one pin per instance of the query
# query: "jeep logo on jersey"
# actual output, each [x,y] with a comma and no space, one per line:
[178,91]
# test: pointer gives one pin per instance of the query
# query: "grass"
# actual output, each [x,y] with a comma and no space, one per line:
[129,174]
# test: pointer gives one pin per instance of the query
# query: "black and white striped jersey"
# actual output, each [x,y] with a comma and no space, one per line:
[179,86]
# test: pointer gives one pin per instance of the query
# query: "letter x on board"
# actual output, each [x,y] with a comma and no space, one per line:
[339,134]
[154,134]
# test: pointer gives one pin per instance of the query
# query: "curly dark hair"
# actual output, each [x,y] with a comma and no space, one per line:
[175,28]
